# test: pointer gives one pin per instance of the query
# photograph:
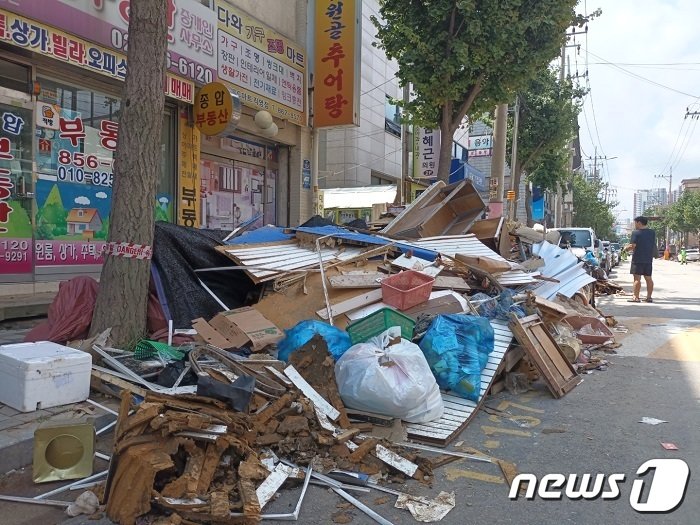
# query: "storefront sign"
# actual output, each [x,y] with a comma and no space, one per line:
[15,223]
[189,180]
[426,152]
[306,175]
[480,145]
[267,70]
[46,115]
[216,110]
[191,51]
[337,63]
[39,38]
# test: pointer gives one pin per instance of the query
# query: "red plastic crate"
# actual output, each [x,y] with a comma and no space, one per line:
[407,289]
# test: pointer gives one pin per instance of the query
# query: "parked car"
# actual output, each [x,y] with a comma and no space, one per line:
[692,254]
[578,240]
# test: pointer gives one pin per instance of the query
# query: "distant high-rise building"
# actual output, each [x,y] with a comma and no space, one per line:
[645,199]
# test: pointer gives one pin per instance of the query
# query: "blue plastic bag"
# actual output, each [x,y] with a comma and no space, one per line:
[457,348]
[338,341]
[498,307]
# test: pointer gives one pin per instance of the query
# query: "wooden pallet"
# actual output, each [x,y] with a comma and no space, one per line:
[459,411]
[545,353]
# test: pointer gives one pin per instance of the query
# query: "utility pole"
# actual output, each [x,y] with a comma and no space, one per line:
[558,207]
[498,166]
[405,146]
[669,178]
[514,160]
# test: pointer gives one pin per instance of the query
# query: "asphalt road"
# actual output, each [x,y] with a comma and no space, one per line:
[595,429]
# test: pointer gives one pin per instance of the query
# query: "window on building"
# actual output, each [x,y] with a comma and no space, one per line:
[378,180]
[14,76]
[392,117]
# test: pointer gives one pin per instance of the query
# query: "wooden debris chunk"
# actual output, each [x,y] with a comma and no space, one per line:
[348,434]
[212,458]
[249,498]
[351,304]
[266,491]
[394,460]
[186,484]
[309,392]
[219,505]
[272,410]
[364,449]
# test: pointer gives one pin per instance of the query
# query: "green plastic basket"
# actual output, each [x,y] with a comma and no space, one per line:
[146,349]
[381,320]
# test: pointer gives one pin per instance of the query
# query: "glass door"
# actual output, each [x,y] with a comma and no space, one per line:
[16,187]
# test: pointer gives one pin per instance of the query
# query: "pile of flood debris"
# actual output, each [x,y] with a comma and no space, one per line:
[322,354]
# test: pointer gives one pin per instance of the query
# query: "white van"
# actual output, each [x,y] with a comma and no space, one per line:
[578,240]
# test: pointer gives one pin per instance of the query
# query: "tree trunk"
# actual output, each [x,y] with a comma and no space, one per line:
[446,133]
[528,206]
[123,295]
[516,175]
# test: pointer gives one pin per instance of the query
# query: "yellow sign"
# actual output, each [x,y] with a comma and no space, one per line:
[56,44]
[189,180]
[337,63]
[216,111]
[267,70]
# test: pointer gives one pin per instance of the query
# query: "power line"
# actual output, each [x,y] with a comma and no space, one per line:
[640,77]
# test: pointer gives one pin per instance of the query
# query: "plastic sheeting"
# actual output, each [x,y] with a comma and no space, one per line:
[177,252]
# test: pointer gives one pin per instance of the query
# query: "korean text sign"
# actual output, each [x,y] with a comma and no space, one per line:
[337,63]
[216,111]
[266,70]
[191,46]
[426,152]
[189,179]
[45,40]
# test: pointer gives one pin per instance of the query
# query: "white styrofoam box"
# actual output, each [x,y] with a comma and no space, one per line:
[43,375]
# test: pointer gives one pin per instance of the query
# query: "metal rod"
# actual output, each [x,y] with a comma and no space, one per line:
[68,487]
[103,456]
[105,428]
[323,278]
[445,452]
[102,407]
[49,502]
[261,268]
[364,508]
[226,308]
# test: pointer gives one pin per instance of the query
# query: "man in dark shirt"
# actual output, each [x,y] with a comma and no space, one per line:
[643,243]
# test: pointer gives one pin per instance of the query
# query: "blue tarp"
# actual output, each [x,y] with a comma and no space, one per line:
[261,235]
[364,238]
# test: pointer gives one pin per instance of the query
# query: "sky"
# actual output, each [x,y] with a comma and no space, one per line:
[632,118]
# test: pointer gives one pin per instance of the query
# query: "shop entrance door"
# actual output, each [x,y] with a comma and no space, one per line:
[16,187]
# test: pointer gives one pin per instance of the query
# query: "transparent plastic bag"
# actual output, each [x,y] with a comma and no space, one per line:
[457,348]
[390,379]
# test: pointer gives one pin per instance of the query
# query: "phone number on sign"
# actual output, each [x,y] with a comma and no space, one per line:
[15,251]
[72,164]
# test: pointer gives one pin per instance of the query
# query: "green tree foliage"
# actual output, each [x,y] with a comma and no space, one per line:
[684,214]
[462,57]
[549,110]
[590,211]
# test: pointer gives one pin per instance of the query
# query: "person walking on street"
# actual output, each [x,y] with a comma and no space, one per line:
[643,245]
[684,256]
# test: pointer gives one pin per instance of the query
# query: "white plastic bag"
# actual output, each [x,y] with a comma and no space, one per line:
[394,380]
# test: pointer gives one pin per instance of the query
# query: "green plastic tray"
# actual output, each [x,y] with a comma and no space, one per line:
[374,324]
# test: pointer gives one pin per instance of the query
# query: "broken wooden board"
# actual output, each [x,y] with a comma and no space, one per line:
[488,264]
[309,392]
[458,411]
[438,306]
[358,301]
[394,460]
[416,263]
[373,280]
[546,355]
[272,483]
[549,309]
[118,382]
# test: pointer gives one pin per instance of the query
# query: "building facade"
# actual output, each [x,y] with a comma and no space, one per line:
[62,67]
[644,199]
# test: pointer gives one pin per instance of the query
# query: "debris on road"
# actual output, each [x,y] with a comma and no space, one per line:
[328,355]
[652,421]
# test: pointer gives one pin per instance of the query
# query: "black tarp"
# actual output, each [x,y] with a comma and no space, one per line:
[177,252]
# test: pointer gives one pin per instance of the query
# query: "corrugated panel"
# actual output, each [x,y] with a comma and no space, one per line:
[470,245]
[564,266]
[459,411]
[284,257]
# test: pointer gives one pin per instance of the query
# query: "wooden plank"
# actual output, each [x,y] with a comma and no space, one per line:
[118,382]
[542,334]
[323,405]
[394,460]
[361,280]
[351,304]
